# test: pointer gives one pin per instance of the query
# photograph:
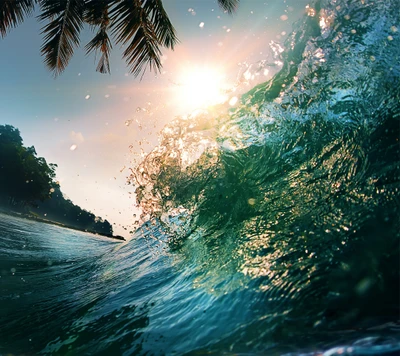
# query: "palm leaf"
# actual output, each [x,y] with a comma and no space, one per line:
[131,23]
[13,12]
[164,30]
[228,5]
[96,14]
[62,32]
[143,50]
[141,25]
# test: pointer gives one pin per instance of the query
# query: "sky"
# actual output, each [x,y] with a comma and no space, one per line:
[96,127]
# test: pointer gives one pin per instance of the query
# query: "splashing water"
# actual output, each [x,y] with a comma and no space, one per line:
[295,190]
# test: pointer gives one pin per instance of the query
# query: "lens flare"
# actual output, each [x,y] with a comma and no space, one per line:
[201,87]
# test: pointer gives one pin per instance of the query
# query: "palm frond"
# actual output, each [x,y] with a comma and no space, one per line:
[229,6]
[96,14]
[143,51]
[142,26]
[62,32]
[164,29]
[13,12]
[101,42]
[131,23]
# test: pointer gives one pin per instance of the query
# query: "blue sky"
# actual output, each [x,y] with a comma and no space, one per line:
[54,114]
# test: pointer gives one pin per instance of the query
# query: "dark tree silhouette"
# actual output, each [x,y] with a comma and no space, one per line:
[27,185]
[24,177]
[64,211]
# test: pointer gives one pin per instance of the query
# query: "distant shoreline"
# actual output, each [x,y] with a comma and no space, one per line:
[56,223]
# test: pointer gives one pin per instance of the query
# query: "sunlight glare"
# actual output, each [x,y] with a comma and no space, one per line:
[201,87]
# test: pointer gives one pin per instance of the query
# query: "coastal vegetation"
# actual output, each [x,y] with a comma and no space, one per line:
[28,187]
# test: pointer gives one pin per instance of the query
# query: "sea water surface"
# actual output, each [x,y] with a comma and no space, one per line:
[268,228]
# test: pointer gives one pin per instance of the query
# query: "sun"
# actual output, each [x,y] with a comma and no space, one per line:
[200,87]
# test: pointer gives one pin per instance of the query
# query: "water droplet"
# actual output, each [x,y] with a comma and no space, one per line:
[201,24]
[284,17]
[73,147]
[251,201]
[363,286]
[233,101]
[317,323]
[87,97]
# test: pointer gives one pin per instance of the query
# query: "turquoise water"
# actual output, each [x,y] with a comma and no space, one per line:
[269,228]
[69,293]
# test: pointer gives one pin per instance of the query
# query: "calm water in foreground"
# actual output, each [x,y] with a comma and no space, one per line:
[71,293]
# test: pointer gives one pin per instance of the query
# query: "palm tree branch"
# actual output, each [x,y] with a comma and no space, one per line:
[13,12]
[164,29]
[141,25]
[125,18]
[131,23]
[229,6]
[143,50]
[96,14]
[62,32]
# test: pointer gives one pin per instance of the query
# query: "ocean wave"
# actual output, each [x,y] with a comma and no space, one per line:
[294,191]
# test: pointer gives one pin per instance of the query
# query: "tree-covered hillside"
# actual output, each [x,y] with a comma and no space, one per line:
[24,177]
[28,186]
[64,211]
